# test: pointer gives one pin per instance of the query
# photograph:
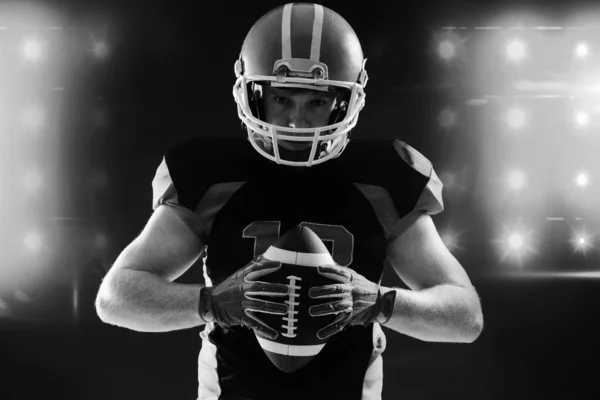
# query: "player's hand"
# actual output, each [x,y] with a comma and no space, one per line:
[235,300]
[355,299]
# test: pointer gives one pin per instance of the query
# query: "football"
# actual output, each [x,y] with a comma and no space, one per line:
[300,251]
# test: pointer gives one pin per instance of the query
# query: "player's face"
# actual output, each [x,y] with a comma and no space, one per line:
[297,108]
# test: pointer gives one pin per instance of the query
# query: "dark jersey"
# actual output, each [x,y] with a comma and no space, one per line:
[239,203]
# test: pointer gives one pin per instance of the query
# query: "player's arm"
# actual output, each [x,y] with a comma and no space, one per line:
[138,292]
[443,305]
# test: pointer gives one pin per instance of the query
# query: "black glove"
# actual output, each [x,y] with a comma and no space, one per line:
[234,301]
[358,301]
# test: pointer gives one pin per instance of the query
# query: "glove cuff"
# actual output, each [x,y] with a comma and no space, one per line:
[205,307]
[386,306]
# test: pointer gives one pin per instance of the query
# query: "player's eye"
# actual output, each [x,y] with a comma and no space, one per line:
[281,100]
[319,102]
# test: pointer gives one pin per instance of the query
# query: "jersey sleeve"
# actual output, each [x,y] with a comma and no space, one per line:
[166,193]
[430,197]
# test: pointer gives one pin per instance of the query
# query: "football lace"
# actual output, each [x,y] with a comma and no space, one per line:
[290,325]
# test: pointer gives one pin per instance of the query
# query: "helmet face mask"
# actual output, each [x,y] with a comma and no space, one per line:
[336,64]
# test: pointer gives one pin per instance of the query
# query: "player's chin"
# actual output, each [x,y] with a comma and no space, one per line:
[294,146]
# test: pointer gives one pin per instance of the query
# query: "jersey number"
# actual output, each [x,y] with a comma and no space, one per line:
[265,233]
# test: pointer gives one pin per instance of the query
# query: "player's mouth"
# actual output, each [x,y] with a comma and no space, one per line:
[296,146]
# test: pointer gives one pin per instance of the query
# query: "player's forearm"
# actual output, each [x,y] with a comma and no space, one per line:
[443,313]
[144,302]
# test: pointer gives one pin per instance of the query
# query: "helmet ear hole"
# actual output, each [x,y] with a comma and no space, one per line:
[341,108]
[255,99]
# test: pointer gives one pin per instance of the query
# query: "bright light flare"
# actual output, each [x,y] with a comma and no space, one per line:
[100,50]
[515,242]
[451,240]
[449,179]
[582,179]
[581,242]
[446,49]
[447,118]
[33,241]
[516,50]
[582,50]
[515,118]
[582,119]
[516,180]
[515,246]
[32,49]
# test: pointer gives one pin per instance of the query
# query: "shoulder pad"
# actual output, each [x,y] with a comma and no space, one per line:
[430,200]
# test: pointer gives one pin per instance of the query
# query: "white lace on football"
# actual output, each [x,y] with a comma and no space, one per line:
[290,325]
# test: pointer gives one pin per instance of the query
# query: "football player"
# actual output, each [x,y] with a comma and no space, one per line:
[221,202]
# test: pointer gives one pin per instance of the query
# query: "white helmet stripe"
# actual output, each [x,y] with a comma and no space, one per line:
[315,46]
[286,34]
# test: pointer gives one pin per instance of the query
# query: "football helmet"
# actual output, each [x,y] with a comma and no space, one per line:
[301,45]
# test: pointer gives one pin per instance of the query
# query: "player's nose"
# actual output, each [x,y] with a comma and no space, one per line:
[297,119]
